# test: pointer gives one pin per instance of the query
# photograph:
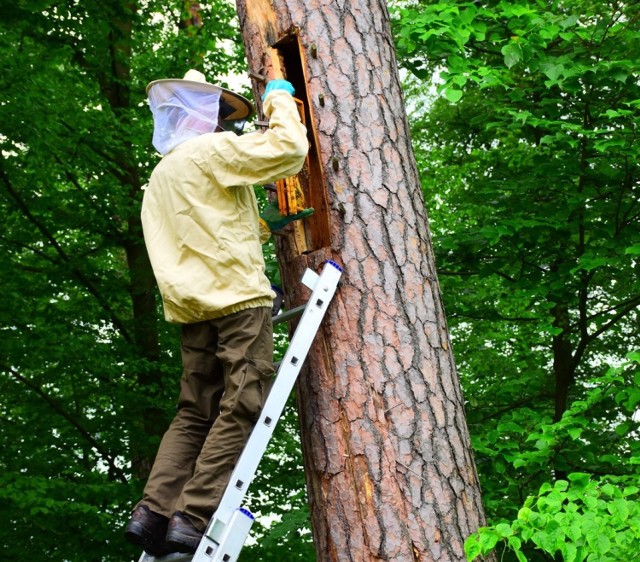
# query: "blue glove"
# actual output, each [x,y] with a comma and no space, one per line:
[278,85]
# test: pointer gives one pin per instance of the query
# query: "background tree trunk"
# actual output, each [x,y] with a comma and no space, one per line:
[386,449]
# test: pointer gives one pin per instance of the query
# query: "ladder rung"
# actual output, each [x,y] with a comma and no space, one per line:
[289,314]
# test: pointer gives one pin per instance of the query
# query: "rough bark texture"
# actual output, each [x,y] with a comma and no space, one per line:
[387,453]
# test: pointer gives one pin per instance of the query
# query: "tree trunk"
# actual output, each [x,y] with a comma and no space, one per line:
[386,449]
[115,85]
[563,363]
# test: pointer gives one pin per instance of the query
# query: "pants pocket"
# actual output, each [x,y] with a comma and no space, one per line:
[253,389]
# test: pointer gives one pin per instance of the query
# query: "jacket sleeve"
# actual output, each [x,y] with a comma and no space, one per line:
[257,158]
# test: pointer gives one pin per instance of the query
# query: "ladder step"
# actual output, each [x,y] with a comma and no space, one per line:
[289,314]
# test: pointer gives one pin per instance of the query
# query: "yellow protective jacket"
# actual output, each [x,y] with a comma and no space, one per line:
[200,216]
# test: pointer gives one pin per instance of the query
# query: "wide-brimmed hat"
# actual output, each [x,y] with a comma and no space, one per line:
[233,106]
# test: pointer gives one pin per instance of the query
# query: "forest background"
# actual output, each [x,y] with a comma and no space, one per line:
[524,118]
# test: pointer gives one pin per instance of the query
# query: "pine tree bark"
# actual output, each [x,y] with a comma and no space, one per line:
[387,455]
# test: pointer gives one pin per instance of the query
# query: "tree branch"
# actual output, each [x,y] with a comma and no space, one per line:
[57,408]
[63,255]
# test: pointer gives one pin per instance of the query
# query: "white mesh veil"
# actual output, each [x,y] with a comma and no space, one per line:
[181,112]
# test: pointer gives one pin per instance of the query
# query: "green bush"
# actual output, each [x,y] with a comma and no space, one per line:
[580,518]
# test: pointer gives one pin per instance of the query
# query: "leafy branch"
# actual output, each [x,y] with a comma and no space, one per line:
[77,273]
[114,470]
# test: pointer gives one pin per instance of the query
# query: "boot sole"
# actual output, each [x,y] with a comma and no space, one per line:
[181,542]
[138,535]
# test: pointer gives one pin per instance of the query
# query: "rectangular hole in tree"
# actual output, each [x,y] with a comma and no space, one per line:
[311,177]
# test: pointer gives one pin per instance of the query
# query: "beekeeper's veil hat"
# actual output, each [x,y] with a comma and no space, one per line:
[188,107]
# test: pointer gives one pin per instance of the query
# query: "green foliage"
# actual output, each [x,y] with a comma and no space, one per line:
[528,153]
[585,517]
[579,519]
[597,433]
[88,369]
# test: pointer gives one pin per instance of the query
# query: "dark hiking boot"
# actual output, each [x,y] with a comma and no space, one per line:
[147,529]
[182,535]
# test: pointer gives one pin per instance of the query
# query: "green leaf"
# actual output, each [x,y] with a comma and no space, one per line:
[488,541]
[514,542]
[545,488]
[512,53]
[618,508]
[552,70]
[623,428]
[524,514]
[472,548]
[602,543]
[453,95]
[569,21]
[503,529]
[590,262]
[560,486]
[569,551]
[575,432]
[579,480]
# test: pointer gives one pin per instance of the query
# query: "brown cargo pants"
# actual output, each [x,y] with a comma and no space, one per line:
[228,366]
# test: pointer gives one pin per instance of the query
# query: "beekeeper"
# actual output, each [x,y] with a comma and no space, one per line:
[203,233]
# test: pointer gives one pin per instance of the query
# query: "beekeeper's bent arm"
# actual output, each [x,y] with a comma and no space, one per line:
[258,158]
